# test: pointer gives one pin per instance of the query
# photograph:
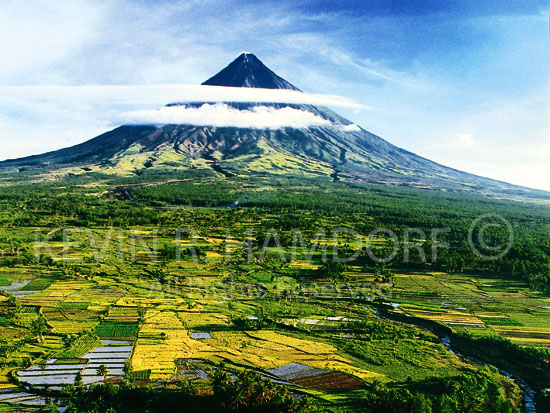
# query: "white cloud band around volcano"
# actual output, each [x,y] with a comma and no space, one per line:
[221,114]
[41,118]
[163,94]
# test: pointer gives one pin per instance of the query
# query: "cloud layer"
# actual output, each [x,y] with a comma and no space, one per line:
[220,114]
[163,94]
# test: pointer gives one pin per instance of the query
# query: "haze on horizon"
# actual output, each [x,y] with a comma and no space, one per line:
[465,85]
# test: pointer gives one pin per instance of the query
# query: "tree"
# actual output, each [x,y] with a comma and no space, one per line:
[333,270]
[38,326]
[249,391]
[103,371]
[78,380]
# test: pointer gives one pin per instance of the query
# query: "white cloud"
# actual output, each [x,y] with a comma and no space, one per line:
[42,118]
[352,127]
[509,142]
[35,35]
[220,114]
[163,94]
[463,140]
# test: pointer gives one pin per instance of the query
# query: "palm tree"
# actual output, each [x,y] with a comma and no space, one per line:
[48,392]
[78,379]
[38,326]
[103,371]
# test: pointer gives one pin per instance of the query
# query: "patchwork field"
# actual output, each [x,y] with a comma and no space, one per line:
[162,339]
[477,305]
[174,318]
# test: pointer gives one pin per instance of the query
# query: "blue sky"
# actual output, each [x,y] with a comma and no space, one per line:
[464,83]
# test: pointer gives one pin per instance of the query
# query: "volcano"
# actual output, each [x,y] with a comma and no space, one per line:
[249,71]
[335,149]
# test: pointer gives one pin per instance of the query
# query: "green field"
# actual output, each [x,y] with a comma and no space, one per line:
[38,284]
[79,347]
[113,329]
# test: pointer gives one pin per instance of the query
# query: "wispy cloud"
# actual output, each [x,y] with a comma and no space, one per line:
[509,142]
[220,114]
[36,35]
[164,94]
[41,118]
[463,140]
[374,70]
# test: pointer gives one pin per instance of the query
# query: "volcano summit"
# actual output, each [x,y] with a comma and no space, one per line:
[249,71]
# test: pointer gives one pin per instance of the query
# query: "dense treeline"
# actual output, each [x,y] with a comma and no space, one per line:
[245,391]
[469,392]
[522,361]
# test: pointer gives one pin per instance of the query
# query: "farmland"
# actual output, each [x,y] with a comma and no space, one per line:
[477,305]
[161,308]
